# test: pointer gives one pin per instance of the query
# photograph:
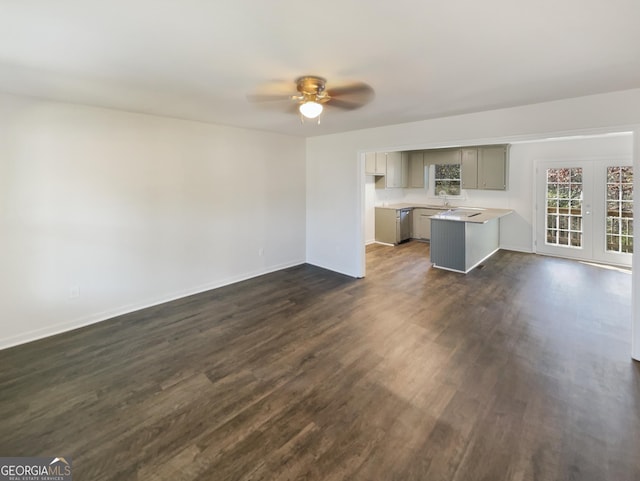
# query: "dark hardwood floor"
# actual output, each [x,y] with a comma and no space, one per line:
[520,370]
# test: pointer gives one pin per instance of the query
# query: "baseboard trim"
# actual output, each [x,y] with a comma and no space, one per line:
[60,328]
[517,249]
[333,269]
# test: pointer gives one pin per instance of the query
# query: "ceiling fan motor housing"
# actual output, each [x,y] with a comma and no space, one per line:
[312,88]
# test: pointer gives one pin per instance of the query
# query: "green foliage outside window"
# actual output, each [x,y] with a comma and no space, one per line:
[447,179]
[619,229]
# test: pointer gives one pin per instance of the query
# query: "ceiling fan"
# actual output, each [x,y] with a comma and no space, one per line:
[313,95]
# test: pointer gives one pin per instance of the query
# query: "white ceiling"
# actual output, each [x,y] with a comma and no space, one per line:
[199,59]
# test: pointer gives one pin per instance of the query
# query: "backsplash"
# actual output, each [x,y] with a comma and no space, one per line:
[416,196]
[479,198]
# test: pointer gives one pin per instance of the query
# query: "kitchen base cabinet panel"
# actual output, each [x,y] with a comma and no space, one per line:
[422,222]
[393,226]
[461,246]
[387,226]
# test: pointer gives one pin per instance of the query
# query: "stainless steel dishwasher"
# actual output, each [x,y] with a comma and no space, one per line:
[404,219]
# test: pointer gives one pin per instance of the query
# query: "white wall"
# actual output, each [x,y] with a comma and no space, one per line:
[369,211]
[335,179]
[134,210]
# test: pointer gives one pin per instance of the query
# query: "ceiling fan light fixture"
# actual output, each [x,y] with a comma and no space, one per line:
[310,109]
[313,95]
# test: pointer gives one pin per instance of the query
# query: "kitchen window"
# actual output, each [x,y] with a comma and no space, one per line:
[447,179]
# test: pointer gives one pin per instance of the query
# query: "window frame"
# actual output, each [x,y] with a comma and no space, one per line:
[448,194]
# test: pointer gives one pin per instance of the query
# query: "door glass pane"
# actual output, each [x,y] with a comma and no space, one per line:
[564,207]
[619,204]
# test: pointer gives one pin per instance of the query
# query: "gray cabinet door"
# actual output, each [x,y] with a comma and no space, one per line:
[387,225]
[444,156]
[394,170]
[370,163]
[469,169]
[416,170]
[405,170]
[492,168]
[381,163]
[421,223]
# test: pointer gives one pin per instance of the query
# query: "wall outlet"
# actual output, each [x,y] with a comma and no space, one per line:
[74,292]
[261,252]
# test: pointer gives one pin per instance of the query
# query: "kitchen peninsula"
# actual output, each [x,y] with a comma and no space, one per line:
[462,238]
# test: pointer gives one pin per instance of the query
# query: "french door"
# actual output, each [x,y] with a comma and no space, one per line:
[585,210]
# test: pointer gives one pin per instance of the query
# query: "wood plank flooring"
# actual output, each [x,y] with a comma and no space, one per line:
[519,370]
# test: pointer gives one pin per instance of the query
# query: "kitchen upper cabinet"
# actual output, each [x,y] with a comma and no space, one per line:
[370,163]
[402,169]
[381,163]
[484,168]
[469,169]
[394,170]
[492,168]
[416,170]
[442,156]
[405,170]
[375,163]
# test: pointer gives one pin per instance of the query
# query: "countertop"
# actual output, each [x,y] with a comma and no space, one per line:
[475,215]
[412,206]
[472,215]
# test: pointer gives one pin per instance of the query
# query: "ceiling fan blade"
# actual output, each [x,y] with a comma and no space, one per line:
[358,90]
[343,104]
[268,98]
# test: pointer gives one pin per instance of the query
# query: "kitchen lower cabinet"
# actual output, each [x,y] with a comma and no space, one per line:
[387,225]
[461,246]
[422,222]
[392,225]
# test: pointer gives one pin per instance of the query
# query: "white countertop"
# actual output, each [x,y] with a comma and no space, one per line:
[413,206]
[475,215]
